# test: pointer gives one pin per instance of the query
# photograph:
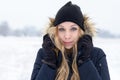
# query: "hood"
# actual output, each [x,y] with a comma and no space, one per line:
[88,25]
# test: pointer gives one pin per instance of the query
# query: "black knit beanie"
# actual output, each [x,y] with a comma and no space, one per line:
[70,12]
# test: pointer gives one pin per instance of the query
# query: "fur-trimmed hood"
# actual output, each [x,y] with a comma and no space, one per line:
[88,25]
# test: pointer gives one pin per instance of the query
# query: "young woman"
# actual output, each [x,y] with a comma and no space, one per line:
[67,51]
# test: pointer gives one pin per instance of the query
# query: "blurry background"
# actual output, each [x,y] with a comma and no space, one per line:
[23,22]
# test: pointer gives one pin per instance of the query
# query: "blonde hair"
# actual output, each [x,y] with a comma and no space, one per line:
[63,70]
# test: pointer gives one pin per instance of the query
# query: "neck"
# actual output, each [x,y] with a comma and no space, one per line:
[69,51]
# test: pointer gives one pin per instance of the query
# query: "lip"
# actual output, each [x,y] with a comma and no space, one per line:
[67,43]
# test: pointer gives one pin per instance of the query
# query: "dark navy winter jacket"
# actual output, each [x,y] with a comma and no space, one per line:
[94,69]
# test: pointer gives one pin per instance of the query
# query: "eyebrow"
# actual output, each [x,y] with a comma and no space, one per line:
[61,26]
[74,25]
[70,26]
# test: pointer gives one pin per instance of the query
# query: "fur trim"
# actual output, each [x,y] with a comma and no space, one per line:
[88,25]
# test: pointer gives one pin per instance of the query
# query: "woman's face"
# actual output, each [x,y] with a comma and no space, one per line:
[68,33]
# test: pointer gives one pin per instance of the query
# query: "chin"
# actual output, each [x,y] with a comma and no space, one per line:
[68,47]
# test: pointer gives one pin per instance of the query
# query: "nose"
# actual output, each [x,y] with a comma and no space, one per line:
[67,35]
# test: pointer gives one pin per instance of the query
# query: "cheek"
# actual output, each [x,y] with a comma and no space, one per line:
[76,38]
[60,36]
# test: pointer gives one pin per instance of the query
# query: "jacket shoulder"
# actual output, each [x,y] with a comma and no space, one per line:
[97,54]
[39,57]
[40,52]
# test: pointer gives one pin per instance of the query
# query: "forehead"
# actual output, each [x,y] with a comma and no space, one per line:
[67,23]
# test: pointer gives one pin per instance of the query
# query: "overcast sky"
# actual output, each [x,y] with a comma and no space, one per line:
[19,13]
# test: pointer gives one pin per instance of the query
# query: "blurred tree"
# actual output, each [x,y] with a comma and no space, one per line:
[4,29]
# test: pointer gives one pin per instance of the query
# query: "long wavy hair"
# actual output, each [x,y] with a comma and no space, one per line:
[63,70]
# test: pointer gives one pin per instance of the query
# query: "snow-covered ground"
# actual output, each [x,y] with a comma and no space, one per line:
[17,56]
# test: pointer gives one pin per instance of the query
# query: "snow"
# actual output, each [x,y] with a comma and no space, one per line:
[111,48]
[17,56]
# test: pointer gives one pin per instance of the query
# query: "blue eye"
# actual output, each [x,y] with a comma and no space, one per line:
[61,29]
[73,29]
